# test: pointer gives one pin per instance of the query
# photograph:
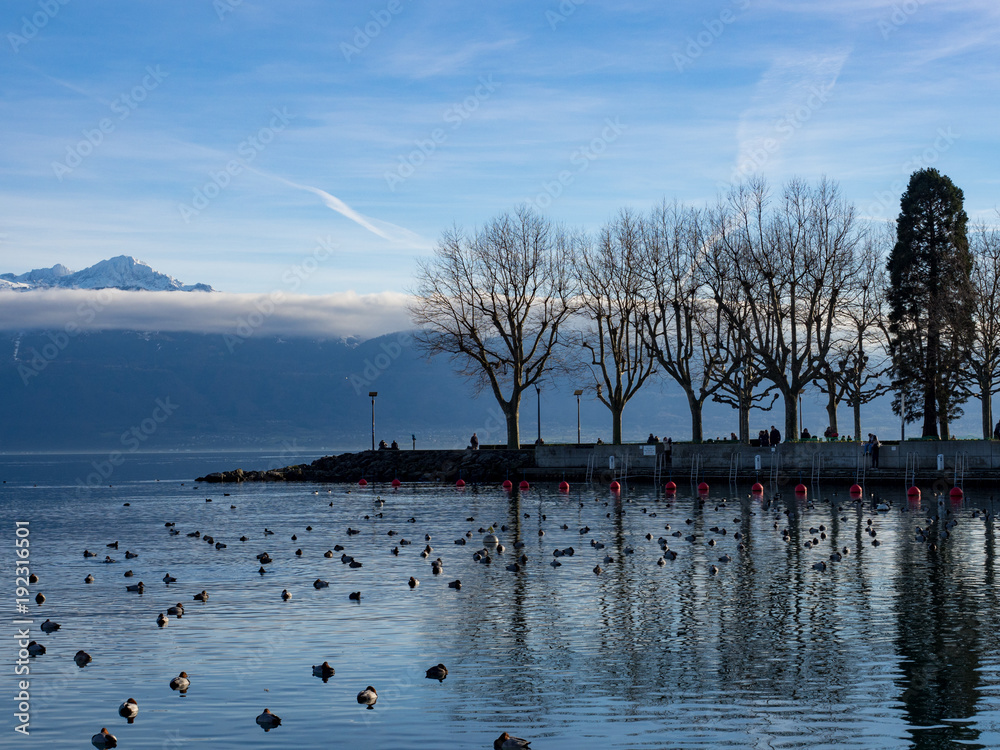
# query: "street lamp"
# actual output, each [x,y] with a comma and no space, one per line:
[372,395]
[578,393]
[538,393]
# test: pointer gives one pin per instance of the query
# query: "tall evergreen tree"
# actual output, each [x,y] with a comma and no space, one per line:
[930,302]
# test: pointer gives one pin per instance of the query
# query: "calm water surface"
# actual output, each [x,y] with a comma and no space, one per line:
[895,646]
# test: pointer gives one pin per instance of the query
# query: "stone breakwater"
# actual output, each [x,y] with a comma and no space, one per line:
[386,465]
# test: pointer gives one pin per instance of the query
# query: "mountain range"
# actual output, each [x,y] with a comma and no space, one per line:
[121,272]
[104,391]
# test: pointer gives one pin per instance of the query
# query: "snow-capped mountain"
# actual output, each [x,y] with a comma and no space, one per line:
[123,272]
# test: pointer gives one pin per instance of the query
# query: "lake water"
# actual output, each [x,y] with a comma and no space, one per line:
[895,646]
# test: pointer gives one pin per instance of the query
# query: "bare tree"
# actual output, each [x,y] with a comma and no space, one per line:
[612,302]
[684,329]
[496,302]
[794,264]
[984,359]
[859,363]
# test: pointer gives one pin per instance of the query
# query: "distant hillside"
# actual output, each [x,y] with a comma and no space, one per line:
[88,392]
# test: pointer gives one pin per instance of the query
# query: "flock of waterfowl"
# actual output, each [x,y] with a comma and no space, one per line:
[939,526]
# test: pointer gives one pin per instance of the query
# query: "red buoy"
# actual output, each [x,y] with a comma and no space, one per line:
[703,487]
[507,484]
[564,486]
[615,487]
[856,489]
[396,483]
[757,489]
[801,489]
[460,483]
[363,482]
[914,491]
[524,484]
[671,487]
[956,493]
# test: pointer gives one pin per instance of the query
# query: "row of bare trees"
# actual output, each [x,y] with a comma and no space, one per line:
[752,299]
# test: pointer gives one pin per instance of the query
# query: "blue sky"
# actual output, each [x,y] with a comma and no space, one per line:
[373,126]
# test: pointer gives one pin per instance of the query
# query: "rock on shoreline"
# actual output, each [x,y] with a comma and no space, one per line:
[386,465]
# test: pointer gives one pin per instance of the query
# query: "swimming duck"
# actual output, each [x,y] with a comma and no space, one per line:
[438,672]
[506,742]
[323,670]
[414,582]
[177,610]
[180,682]
[354,596]
[127,574]
[82,658]
[268,721]
[129,710]
[35,649]
[285,595]
[104,739]
[202,597]
[89,579]
[32,578]
[319,583]
[88,553]
[138,587]
[169,579]
[129,554]
[368,696]
[162,620]
[456,584]
[50,627]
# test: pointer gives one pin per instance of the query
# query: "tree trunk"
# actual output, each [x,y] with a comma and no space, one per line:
[930,428]
[831,407]
[791,416]
[857,420]
[616,424]
[697,430]
[987,400]
[744,425]
[512,412]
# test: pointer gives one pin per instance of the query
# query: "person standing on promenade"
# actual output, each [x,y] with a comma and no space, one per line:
[875,445]
[996,431]
[474,442]
[775,436]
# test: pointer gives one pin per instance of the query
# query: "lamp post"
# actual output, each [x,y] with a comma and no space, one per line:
[578,393]
[800,415]
[538,393]
[372,395]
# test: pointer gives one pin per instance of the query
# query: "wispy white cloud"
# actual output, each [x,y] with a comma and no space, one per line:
[787,97]
[242,315]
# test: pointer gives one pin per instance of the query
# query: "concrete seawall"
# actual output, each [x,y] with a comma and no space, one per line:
[917,461]
[926,459]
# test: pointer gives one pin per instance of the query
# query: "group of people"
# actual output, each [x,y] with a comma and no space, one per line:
[383,446]
[769,438]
